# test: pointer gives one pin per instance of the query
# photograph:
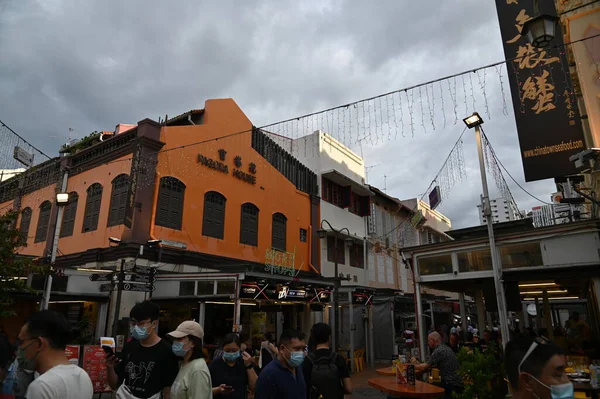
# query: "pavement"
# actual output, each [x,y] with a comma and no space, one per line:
[360,385]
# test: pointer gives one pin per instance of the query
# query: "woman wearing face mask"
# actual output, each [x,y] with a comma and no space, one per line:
[233,373]
[193,380]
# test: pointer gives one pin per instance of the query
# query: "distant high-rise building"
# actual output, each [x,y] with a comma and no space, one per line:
[501,212]
[543,215]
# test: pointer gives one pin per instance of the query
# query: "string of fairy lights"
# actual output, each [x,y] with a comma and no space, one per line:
[433,106]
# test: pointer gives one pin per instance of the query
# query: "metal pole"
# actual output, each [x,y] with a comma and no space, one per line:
[119,292]
[463,315]
[59,218]
[500,299]
[336,308]
[352,330]
[420,325]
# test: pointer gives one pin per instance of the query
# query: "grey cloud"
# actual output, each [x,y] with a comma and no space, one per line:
[91,65]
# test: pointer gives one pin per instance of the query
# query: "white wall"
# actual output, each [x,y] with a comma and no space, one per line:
[322,153]
[340,218]
[573,249]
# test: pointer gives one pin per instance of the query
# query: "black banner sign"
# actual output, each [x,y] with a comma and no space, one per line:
[548,120]
[282,293]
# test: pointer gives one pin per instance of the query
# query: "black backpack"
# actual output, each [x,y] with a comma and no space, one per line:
[325,377]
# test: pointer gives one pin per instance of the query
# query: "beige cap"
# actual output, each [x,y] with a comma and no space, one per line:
[188,328]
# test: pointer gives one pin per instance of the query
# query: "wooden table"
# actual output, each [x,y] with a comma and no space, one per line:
[587,388]
[419,390]
[391,372]
[387,371]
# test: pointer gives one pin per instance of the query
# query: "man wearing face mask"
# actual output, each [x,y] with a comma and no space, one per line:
[42,342]
[233,373]
[536,370]
[282,378]
[146,368]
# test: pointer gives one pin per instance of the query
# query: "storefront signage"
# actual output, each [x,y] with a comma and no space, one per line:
[280,262]
[220,166]
[361,299]
[543,95]
[273,292]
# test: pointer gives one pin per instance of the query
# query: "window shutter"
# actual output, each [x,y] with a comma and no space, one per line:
[249,224]
[69,215]
[43,220]
[278,234]
[213,223]
[92,207]
[346,196]
[169,209]
[25,221]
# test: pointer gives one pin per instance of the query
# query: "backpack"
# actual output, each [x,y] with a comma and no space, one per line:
[325,377]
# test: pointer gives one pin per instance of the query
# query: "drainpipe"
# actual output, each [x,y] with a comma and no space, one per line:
[190,119]
[310,249]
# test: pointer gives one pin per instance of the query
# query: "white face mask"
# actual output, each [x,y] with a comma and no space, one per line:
[561,391]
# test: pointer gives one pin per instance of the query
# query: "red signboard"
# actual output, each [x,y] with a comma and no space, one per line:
[73,353]
[95,365]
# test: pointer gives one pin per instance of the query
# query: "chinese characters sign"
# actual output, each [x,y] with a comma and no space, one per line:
[548,122]
[219,166]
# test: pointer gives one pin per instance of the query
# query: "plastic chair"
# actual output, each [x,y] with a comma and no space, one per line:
[359,360]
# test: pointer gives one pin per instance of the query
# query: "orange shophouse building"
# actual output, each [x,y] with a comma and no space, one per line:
[226,217]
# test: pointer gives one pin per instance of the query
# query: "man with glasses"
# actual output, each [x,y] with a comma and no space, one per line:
[536,369]
[282,378]
[42,342]
[146,368]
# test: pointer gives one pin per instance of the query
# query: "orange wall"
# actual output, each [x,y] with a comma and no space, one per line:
[272,192]
[78,242]
[103,174]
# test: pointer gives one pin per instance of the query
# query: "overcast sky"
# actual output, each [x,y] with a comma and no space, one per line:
[89,65]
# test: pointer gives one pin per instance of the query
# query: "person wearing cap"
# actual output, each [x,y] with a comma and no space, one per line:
[193,380]
[146,368]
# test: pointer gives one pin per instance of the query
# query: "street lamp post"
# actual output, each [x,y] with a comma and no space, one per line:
[475,121]
[337,279]
[62,199]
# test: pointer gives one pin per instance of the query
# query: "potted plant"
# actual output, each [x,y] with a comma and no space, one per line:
[482,373]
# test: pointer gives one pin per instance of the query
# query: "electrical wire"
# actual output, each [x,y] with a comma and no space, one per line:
[416,207]
[19,136]
[509,175]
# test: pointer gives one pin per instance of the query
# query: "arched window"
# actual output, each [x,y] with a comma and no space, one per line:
[169,210]
[25,221]
[118,200]
[68,222]
[279,231]
[92,207]
[213,223]
[249,224]
[43,221]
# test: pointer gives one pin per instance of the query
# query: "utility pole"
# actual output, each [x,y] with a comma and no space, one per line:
[337,279]
[59,218]
[475,121]
[119,293]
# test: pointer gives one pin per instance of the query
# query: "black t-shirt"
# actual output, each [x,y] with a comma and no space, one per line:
[147,370]
[326,353]
[235,376]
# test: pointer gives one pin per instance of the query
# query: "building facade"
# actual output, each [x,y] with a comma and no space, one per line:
[214,211]
[501,212]
[345,203]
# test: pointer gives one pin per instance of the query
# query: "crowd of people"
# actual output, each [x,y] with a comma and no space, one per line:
[179,366]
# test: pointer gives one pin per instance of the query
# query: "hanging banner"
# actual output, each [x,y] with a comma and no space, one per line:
[548,120]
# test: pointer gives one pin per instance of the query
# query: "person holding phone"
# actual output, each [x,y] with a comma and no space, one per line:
[233,373]
[146,368]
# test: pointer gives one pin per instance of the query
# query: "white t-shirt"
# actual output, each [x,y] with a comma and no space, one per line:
[65,381]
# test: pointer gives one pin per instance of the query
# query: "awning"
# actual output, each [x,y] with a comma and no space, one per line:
[345,181]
